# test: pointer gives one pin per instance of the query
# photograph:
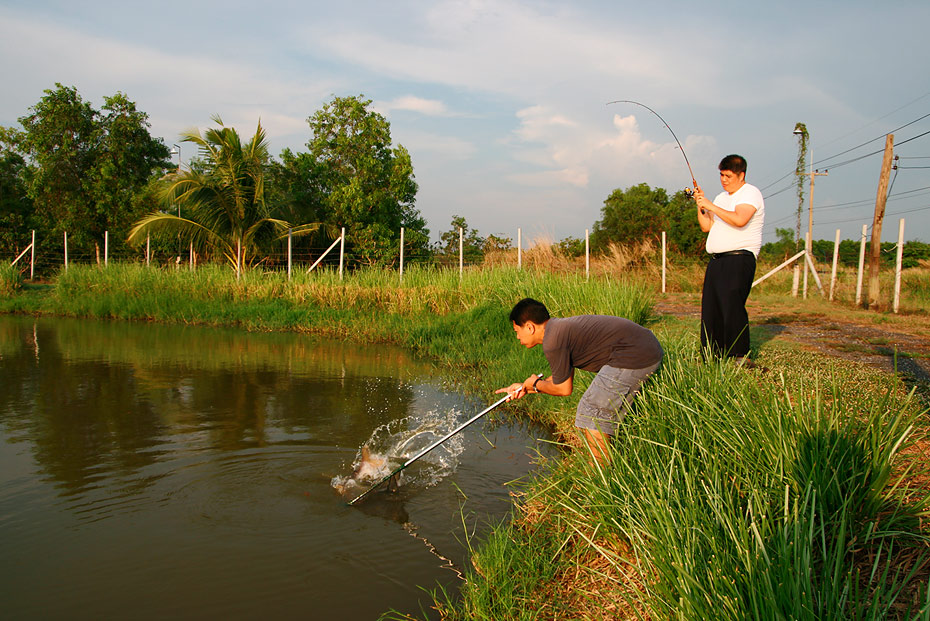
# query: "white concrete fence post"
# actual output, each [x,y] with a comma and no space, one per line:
[836,255]
[587,255]
[897,269]
[663,261]
[862,240]
[401,254]
[342,250]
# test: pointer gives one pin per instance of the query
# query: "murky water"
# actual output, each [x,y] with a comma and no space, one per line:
[152,471]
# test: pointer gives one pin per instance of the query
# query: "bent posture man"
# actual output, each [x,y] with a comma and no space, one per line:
[621,352]
[733,222]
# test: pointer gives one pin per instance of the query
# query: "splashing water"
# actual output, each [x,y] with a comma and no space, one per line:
[393,443]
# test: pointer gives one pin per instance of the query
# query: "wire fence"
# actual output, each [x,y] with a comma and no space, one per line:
[43,257]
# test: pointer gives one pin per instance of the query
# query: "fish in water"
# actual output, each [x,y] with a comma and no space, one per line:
[370,469]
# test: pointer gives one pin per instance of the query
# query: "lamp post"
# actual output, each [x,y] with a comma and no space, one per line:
[810,220]
[177,151]
[800,130]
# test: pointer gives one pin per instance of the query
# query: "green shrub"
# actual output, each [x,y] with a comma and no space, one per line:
[11,280]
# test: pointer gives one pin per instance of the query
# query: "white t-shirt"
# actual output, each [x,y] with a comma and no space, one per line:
[725,237]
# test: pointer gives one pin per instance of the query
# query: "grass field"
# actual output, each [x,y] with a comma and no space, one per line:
[733,494]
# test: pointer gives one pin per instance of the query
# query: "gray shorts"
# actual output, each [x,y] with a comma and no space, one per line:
[609,397]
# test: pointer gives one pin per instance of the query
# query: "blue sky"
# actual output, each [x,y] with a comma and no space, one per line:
[502,104]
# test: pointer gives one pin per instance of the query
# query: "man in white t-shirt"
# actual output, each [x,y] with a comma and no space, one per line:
[733,222]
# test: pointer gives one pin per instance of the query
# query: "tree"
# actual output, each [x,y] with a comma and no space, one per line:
[640,212]
[15,205]
[571,247]
[683,232]
[86,167]
[223,201]
[297,187]
[59,135]
[368,186]
[495,243]
[126,159]
[472,243]
[782,248]
[629,216]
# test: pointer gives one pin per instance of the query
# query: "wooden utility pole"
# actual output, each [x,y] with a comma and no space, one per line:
[880,200]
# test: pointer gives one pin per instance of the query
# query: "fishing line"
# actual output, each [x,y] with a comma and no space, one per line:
[668,127]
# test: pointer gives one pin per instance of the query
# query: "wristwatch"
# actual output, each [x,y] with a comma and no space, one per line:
[536,382]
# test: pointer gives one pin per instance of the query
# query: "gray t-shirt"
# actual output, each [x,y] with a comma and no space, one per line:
[589,342]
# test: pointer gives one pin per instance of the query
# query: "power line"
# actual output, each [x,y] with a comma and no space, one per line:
[878,119]
[860,203]
[887,215]
[824,160]
[821,162]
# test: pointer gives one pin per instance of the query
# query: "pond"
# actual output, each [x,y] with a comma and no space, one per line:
[152,471]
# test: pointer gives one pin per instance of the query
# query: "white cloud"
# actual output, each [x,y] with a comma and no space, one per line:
[582,153]
[446,147]
[412,103]
[175,89]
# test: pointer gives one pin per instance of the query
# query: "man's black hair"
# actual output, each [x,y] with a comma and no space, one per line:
[529,309]
[734,163]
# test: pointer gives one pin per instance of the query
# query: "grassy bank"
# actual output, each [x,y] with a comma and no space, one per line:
[730,497]
[460,322]
[733,494]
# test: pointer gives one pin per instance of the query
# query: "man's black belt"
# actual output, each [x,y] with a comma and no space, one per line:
[731,253]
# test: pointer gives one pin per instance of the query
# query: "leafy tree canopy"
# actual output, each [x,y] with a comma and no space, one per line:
[641,212]
[222,200]
[85,166]
[472,244]
[15,205]
[364,184]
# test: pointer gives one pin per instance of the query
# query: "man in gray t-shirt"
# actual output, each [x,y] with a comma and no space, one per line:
[621,352]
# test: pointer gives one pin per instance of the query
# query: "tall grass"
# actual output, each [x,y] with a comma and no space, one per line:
[460,321]
[132,291]
[730,498]
[731,495]
[11,280]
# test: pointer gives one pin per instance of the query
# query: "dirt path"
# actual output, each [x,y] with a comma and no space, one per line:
[842,335]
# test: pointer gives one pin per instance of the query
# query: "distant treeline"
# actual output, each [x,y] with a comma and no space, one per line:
[912,254]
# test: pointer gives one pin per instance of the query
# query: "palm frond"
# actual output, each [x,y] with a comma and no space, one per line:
[160,222]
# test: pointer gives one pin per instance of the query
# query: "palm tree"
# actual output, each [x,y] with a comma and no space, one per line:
[224,203]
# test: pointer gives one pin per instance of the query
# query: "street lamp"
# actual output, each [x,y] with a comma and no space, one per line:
[177,151]
[800,130]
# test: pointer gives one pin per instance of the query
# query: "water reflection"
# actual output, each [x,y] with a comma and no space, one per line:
[190,468]
[95,394]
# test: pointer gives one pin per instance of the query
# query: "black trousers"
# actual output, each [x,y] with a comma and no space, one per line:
[724,320]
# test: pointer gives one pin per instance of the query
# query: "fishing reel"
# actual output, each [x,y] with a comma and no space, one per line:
[689,192]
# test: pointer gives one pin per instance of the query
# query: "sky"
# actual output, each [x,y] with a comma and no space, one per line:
[504,104]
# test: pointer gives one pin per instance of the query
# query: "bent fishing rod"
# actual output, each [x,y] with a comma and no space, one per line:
[429,448]
[668,127]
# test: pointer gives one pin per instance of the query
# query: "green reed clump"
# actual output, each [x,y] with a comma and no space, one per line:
[915,288]
[730,497]
[11,280]
[744,502]
[216,295]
